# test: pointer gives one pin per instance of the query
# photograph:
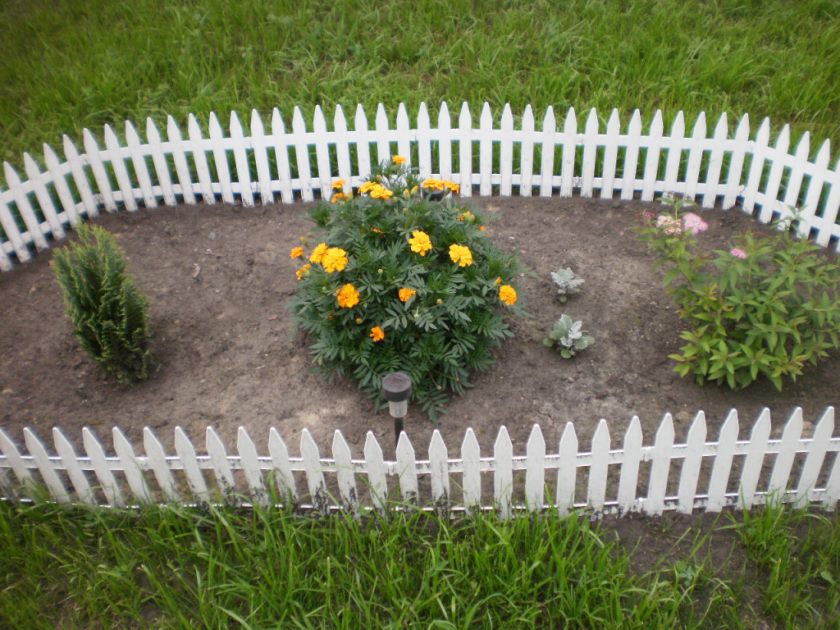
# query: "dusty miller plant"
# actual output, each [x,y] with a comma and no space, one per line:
[568,337]
[567,283]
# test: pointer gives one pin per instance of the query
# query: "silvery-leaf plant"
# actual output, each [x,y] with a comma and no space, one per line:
[567,282]
[568,337]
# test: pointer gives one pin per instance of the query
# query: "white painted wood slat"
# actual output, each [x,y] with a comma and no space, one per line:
[70,461]
[114,154]
[164,177]
[660,466]
[249,458]
[471,456]
[48,472]
[179,157]
[503,473]
[138,161]
[407,469]
[33,225]
[240,160]
[723,463]
[107,481]
[33,173]
[535,470]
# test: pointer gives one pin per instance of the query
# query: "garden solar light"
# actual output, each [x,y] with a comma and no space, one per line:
[396,389]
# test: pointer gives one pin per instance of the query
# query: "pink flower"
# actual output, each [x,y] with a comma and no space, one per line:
[738,253]
[669,225]
[647,216]
[694,224]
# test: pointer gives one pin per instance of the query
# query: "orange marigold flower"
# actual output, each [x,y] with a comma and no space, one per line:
[300,273]
[297,252]
[455,188]
[376,230]
[461,254]
[481,228]
[420,242]
[335,259]
[338,184]
[377,334]
[318,253]
[339,196]
[406,294]
[347,296]
[398,160]
[507,294]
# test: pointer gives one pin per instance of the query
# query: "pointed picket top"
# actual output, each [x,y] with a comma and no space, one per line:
[690,472]
[759,151]
[235,125]
[278,125]
[763,135]
[722,127]
[220,158]
[284,477]
[549,130]
[407,469]
[403,131]
[319,123]
[316,484]
[131,467]
[192,471]
[60,183]
[439,469]
[815,188]
[160,163]
[783,140]
[631,156]
[257,127]
[214,127]
[424,147]
[722,466]
[444,119]
[375,463]
[754,460]
[788,446]
[33,225]
[800,163]
[743,128]
[503,474]
[567,469]
[99,462]
[199,154]
[381,120]
[240,158]
[298,122]
[465,118]
[465,150]
[526,159]
[592,125]
[249,459]
[138,160]
[80,178]
[383,145]
[570,123]
[817,448]
[182,170]
[281,143]
[736,162]
[360,120]
[695,156]
[596,493]
[567,166]
[13,456]
[342,147]
[322,152]
[42,459]
[157,462]
[608,169]
[535,470]
[423,119]
[719,138]
[657,123]
[344,472]
[629,481]
[67,455]
[33,173]
[113,146]
[261,147]
[660,466]
[675,145]
[699,129]
[471,456]
[678,126]
[221,466]
[485,150]
[528,120]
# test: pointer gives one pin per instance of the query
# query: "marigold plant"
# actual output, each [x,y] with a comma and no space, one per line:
[414,287]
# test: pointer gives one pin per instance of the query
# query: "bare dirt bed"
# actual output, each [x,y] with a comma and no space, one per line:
[229,355]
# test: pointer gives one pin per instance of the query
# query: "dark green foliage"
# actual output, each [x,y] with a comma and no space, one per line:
[443,333]
[110,316]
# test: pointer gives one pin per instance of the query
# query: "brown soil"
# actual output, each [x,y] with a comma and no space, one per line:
[229,354]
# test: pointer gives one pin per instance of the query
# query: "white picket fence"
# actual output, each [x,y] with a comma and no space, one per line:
[800,468]
[247,165]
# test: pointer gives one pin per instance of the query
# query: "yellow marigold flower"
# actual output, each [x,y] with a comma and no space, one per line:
[432,183]
[455,188]
[335,259]
[376,230]
[377,334]
[338,184]
[318,253]
[339,196]
[359,320]
[406,294]
[398,160]
[297,252]
[300,273]
[367,186]
[347,296]
[413,190]
[499,280]
[467,216]
[461,254]
[380,192]
[420,242]
[507,294]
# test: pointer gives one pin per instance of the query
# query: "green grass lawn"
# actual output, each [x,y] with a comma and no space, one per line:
[69,65]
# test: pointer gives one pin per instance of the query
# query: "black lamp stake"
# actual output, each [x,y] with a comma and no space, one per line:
[396,389]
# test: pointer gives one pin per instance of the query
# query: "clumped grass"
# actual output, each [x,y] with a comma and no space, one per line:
[65,66]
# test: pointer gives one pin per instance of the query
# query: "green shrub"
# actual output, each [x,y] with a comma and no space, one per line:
[568,337]
[110,316]
[766,307]
[403,278]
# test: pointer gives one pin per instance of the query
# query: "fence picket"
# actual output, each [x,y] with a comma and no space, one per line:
[77,164]
[610,155]
[654,148]
[791,435]
[192,471]
[567,165]
[590,153]
[164,177]
[68,204]
[695,156]
[344,473]
[774,179]
[628,482]
[526,153]
[407,469]
[715,162]
[797,170]
[220,158]
[131,467]
[736,163]
[660,466]
[375,464]
[100,177]
[597,488]
[812,198]
[424,143]
[160,467]
[465,150]
[506,152]
[567,470]
[315,482]
[722,466]
[281,154]
[404,133]
[10,227]
[832,487]
[281,465]
[179,157]
[759,155]
[240,160]
[261,146]
[690,472]
[113,151]
[107,482]
[485,151]
[674,142]
[382,134]
[16,463]
[754,460]
[5,261]
[631,156]
[439,470]
[535,470]
[302,155]
[503,473]
[445,134]
[199,154]
[549,130]
[138,161]
[322,152]
[360,126]
[48,472]
[33,225]
[33,172]
[471,481]
[67,455]
[342,149]
[219,460]
[817,448]
[249,458]
[832,206]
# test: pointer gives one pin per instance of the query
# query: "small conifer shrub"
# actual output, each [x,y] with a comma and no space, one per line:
[403,277]
[109,314]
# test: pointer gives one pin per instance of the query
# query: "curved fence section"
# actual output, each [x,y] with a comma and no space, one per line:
[717,166]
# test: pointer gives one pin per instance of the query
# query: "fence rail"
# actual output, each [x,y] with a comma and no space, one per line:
[522,157]
[799,467]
